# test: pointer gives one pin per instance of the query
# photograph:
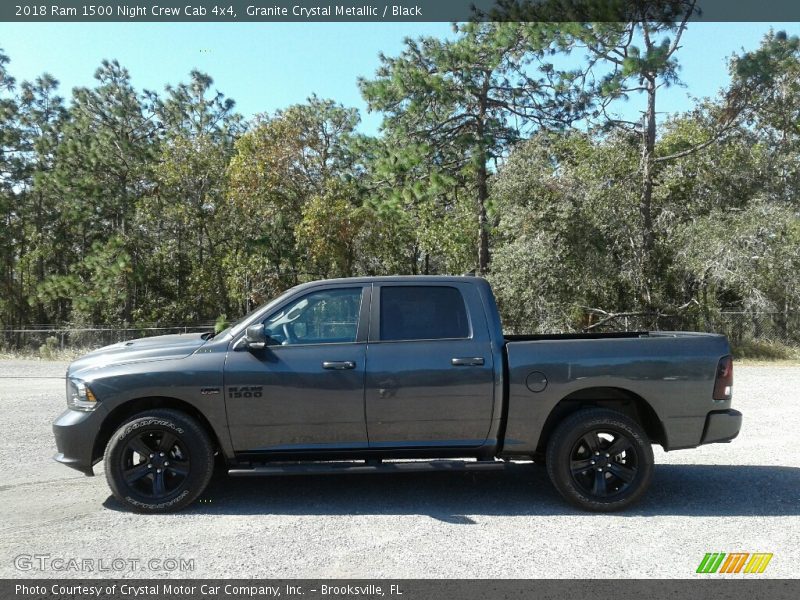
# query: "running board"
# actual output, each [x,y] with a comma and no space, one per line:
[311,468]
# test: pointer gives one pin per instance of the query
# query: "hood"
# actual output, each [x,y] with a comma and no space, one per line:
[159,347]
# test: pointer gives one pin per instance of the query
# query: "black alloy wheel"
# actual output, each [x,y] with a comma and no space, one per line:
[604,463]
[155,463]
[159,461]
[600,459]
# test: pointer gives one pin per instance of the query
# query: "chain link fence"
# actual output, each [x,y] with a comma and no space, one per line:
[778,327]
[743,329]
[51,340]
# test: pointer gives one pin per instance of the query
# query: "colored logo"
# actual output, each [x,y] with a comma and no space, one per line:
[734,562]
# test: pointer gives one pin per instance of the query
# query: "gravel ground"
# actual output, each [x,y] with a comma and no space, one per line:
[743,497]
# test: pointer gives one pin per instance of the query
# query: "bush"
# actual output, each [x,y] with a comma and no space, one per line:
[221,323]
[763,350]
[49,348]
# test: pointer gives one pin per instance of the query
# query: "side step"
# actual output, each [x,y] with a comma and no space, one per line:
[372,466]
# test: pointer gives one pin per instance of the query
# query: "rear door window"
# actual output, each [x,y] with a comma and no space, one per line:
[422,313]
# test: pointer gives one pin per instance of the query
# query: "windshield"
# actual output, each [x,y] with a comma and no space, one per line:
[235,327]
[288,314]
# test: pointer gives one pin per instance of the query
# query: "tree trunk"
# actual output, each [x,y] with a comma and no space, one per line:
[646,198]
[41,315]
[483,230]
[482,180]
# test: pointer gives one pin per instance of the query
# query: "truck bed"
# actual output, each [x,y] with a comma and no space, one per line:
[673,372]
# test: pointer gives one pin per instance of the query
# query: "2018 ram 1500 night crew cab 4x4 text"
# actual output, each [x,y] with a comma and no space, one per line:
[359,375]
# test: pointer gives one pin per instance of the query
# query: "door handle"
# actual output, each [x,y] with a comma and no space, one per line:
[338,365]
[476,361]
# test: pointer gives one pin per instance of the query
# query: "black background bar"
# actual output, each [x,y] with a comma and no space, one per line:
[708,587]
[379,10]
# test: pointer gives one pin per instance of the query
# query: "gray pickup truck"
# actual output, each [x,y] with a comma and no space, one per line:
[391,374]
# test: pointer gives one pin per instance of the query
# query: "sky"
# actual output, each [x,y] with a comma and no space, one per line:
[266,66]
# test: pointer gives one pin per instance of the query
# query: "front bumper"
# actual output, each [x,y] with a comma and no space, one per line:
[75,432]
[721,426]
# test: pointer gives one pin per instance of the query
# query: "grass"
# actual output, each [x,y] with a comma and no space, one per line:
[67,354]
[760,352]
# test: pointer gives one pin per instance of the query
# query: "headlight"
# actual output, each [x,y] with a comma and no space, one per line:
[79,396]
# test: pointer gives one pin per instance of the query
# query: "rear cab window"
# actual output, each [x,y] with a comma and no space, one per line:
[422,312]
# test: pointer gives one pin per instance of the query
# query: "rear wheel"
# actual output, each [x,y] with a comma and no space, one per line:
[159,461]
[600,460]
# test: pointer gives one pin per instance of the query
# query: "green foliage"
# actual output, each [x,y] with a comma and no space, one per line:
[185,217]
[48,350]
[329,229]
[567,210]
[281,171]
[221,323]
[120,206]
[725,217]
[453,107]
[750,349]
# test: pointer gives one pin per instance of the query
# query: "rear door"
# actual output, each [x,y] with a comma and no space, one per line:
[430,370]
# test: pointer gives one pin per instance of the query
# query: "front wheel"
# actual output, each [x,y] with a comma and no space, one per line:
[600,460]
[159,461]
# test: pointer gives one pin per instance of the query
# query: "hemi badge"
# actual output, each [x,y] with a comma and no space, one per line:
[209,391]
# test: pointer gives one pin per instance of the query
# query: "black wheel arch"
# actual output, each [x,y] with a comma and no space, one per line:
[614,398]
[128,409]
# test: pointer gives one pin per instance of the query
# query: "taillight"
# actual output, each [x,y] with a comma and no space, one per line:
[723,384]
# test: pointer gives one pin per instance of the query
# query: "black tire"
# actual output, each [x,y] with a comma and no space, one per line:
[600,460]
[159,461]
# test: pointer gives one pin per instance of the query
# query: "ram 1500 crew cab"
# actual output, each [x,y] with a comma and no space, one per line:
[360,375]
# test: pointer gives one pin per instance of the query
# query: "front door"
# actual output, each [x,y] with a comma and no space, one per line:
[430,369]
[305,390]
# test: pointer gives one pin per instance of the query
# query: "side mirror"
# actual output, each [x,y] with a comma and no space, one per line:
[255,337]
